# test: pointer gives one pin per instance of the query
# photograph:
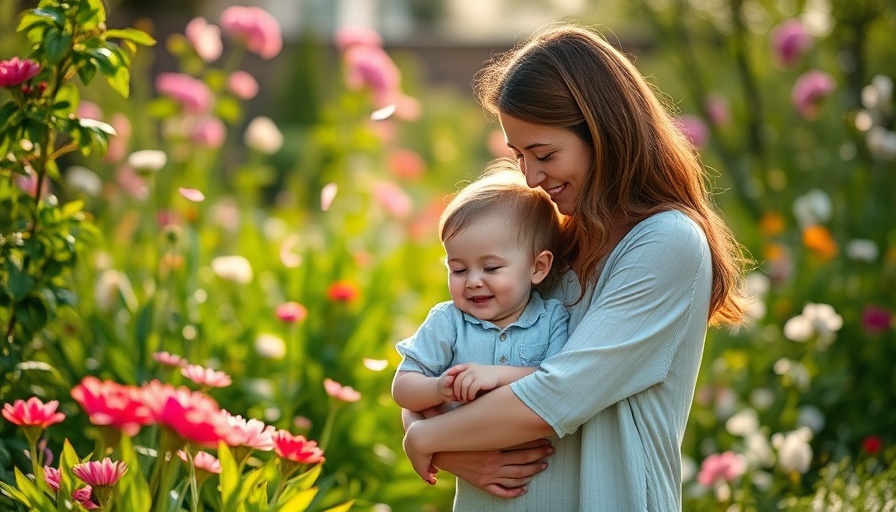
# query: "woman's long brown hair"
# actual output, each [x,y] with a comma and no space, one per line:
[568,76]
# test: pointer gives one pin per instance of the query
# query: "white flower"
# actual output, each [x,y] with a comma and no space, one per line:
[820,320]
[743,423]
[147,160]
[270,346]
[233,268]
[327,194]
[794,451]
[862,250]
[83,179]
[762,398]
[105,292]
[812,208]
[794,373]
[263,135]
[881,142]
[758,451]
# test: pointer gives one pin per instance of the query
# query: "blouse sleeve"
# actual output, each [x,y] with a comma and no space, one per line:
[431,349]
[656,281]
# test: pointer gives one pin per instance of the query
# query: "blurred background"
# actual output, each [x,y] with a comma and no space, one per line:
[325,175]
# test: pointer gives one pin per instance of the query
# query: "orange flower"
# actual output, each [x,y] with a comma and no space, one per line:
[819,240]
[772,224]
[343,291]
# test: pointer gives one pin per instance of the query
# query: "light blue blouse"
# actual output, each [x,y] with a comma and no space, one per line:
[624,382]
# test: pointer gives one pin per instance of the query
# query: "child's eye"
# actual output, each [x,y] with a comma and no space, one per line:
[458,270]
[491,269]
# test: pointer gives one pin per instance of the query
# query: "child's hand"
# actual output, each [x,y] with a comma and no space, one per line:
[446,387]
[471,379]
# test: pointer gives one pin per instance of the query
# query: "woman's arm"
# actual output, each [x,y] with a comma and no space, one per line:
[503,473]
[494,421]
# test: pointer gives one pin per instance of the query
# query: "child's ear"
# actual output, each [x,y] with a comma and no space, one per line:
[542,266]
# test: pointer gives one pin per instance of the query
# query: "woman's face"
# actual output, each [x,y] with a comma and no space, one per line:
[552,158]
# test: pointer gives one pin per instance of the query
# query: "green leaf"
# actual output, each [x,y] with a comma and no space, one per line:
[133,488]
[36,499]
[53,14]
[93,124]
[87,69]
[229,475]
[32,313]
[91,14]
[307,479]
[31,20]
[296,501]
[56,45]
[132,34]
[342,507]
[20,283]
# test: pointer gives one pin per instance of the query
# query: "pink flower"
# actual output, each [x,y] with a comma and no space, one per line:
[33,413]
[409,165]
[340,392]
[209,132]
[205,38]
[371,67]
[346,37]
[118,145]
[695,130]
[202,460]
[809,91]
[790,42]
[192,194]
[291,312]
[193,94]
[83,496]
[14,71]
[103,473]
[721,467]
[192,415]
[89,110]
[110,403]
[242,85]
[717,110]
[393,199]
[206,376]
[343,291]
[876,319]
[52,476]
[254,27]
[297,448]
[251,433]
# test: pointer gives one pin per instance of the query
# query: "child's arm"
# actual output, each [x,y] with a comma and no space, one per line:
[416,392]
[470,379]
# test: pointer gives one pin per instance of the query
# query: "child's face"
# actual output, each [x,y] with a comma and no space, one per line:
[489,274]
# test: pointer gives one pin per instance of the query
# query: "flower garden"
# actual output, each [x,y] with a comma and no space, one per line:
[200,300]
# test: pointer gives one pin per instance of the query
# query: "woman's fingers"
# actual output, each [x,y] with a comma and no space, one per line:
[505,492]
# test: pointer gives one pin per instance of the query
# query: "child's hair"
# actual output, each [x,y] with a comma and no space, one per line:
[502,191]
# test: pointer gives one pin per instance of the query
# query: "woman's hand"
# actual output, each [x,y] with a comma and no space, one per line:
[420,459]
[503,473]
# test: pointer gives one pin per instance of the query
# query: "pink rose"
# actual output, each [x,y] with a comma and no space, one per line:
[15,71]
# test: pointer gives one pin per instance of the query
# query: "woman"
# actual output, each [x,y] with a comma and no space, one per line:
[650,266]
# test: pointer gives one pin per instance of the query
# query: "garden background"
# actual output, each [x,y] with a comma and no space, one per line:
[280,233]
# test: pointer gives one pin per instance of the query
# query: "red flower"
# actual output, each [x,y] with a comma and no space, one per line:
[291,312]
[297,448]
[14,71]
[343,291]
[33,413]
[872,444]
[103,473]
[876,319]
[194,416]
[113,404]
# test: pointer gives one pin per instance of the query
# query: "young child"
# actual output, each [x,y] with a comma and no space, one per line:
[499,237]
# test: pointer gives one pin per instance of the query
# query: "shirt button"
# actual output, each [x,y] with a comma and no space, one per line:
[503,336]
[503,360]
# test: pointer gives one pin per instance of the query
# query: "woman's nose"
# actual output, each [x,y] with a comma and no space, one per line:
[534,177]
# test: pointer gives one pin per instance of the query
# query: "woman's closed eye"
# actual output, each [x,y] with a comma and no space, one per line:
[545,157]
